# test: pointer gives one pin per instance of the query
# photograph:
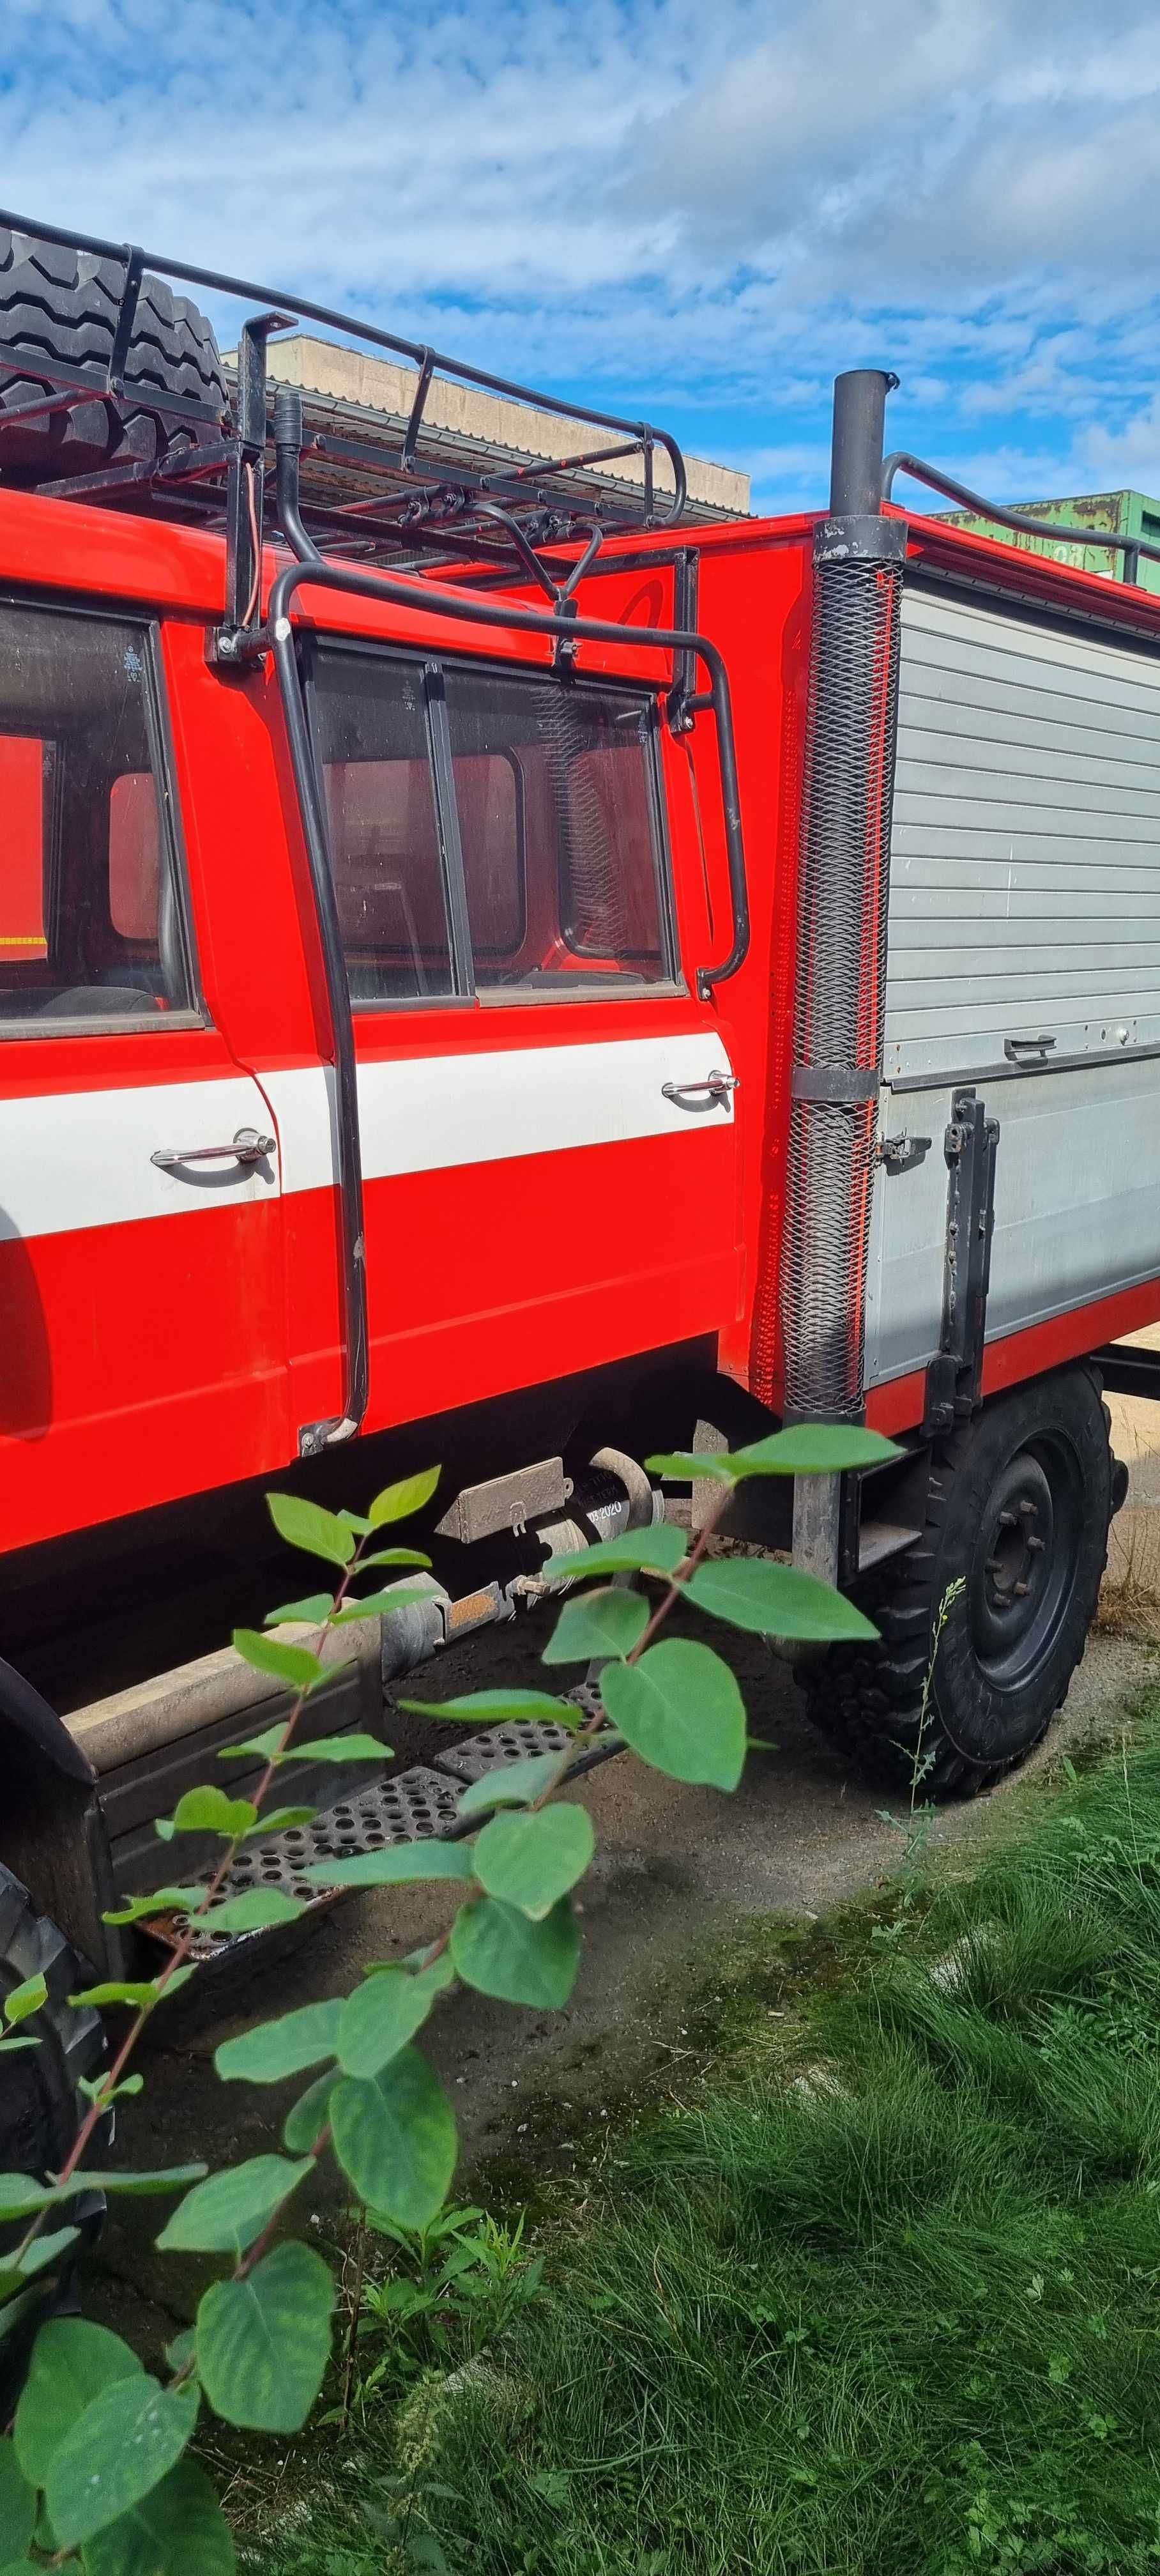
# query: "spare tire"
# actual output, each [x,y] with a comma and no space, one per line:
[62,305]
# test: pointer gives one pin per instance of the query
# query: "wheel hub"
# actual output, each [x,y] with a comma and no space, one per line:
[1021,1564]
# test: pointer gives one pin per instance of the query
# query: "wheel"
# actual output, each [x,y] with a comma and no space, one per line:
[1018,1508]
[63,304]
[41,2105]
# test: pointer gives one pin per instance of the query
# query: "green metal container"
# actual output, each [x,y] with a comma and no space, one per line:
[1127,514]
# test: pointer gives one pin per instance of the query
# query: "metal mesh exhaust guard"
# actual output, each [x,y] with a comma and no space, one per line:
[841,962]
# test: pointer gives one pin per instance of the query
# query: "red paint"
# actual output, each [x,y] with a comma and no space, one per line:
[146,1360]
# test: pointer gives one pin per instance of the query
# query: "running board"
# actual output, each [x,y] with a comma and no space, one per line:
[420,1805]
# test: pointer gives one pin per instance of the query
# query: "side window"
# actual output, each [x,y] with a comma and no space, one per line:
[554,792]
[90,924]
[372,740]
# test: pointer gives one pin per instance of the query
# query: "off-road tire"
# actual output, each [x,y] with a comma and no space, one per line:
[41,2105]
[1005,1658]
[62,304]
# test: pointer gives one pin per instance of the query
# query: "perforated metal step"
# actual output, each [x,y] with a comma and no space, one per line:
[410,1806]
[479,1754]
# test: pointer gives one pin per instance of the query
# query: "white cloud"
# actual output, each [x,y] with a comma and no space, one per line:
[707,208]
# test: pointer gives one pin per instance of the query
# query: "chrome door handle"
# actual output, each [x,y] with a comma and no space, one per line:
[247,1147]
[688,1095]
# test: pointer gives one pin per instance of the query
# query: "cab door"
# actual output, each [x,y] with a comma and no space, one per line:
[142,1326]
[547,1109]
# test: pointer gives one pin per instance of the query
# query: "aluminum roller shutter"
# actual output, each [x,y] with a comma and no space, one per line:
[1025,867]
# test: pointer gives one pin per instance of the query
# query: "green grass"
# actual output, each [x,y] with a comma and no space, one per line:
[885,2300]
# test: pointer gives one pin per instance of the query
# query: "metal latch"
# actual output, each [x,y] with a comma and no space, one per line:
[1019,1050]
[899,1152]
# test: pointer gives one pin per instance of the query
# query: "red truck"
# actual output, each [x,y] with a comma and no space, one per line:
[494,973]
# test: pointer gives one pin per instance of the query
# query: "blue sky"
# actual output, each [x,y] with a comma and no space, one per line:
[695,208]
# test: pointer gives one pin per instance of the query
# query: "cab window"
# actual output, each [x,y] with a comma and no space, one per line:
[491,833]
[91,924]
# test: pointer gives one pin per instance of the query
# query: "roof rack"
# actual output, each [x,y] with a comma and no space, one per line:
[405,494]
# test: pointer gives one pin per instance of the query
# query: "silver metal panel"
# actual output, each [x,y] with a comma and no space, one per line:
[1025,866]
[1077,1205]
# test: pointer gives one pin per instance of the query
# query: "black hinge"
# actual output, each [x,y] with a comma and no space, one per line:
[954,1379]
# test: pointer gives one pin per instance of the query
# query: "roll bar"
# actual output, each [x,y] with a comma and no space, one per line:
[237,647]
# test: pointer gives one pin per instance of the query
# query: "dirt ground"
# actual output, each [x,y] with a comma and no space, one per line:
[677,1870]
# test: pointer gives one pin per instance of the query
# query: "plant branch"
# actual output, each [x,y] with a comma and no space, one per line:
[184,1943]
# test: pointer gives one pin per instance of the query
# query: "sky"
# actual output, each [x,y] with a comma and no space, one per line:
[694,210]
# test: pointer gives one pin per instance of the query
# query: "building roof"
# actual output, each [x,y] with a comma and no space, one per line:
[371,398]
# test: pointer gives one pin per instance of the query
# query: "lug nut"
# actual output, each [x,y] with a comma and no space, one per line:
[1021,1591]
[1028,1508]
[1035,1546]
[1006,1520]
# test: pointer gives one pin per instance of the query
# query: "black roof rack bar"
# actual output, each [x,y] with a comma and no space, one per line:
[640,434]
[1061,532]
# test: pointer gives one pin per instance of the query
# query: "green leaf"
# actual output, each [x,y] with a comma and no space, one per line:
[263,2343]
[397,1502]
[688,1466]
[139,2186]
[20,2195]
[379,1605]
[357,1521]
[38,2257]
[658,1550]
[94,2088]
[178,2530]
[398,1556]
[17,2505]
[312,1611]
[126,2441]
[207,1811]
[164,1900]
[597,1624]
[775,1600]
[277,1820]
[257,1910]
[9,2047]
[294,1665]
[271,2050]
[681,1710]
[501,1953]
[225,2214]
[264,1747]
[25,1999]
[515,1784]
[307,1525]
[72,2361]
[398,1866]
[394,2136]
[814,1449]
[339,1748]
[499,1707]
[305,2123]
[139,1996]
[531,1861]
[384,2013]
